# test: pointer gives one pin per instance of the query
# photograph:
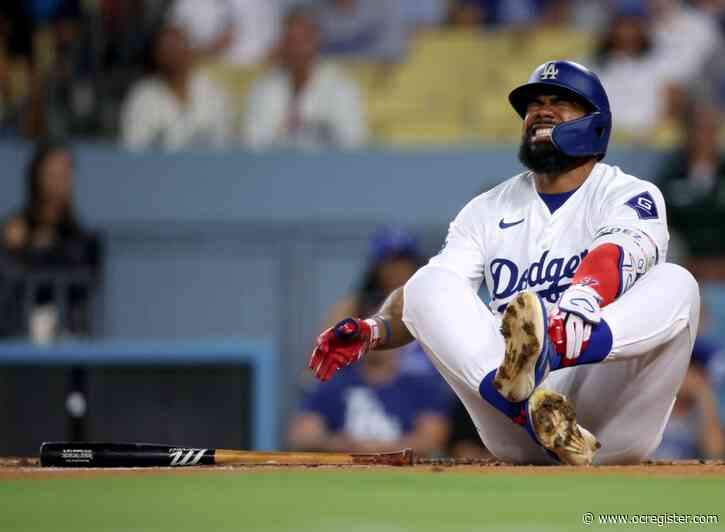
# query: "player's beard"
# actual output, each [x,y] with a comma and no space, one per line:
[542,157]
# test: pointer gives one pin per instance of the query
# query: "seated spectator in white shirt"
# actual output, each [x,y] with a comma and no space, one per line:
[362,29]
[710,90]
[239,32]
[178,107]
[687,38]
[303,103]
[634,74]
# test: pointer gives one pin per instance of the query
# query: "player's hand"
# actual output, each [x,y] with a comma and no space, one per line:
[340,346]
[579,309]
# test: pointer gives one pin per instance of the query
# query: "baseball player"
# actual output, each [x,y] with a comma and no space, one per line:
[589,331]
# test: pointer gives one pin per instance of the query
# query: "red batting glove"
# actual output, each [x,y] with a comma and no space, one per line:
[342,345]
[557,335]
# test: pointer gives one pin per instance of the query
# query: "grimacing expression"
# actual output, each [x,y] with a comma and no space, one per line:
[545,111]
[537,152]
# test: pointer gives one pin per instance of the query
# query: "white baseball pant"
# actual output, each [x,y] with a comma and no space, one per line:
[625,400]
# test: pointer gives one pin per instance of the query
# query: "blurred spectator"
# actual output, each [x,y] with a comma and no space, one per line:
[466,14]
[121,34]
[16,29]
[45,235]
[711,87]
[302,102]
[5,88]
[584,15]
[714,9]
[515,13]
[54,49]
[693,430]
[715,367]
[240,32]
[693,183]
[177,107]
[709,354]
[636,78]
[372,407]
[23,112]
[362,29]
[394,257]
[685,37]
[423,14]
[69,92]
[392,399]
[72,62]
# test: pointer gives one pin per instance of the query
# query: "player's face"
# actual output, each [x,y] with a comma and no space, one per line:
[546,111]
[538,152]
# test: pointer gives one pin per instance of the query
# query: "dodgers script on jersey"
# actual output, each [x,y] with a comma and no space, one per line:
[508,237]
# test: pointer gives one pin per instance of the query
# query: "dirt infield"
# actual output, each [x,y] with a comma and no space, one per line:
[29,468]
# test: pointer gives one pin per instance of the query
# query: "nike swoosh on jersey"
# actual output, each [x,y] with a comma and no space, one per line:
[504,225]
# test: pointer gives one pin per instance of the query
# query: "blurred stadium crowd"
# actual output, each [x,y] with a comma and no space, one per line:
[345,74]
[172,74]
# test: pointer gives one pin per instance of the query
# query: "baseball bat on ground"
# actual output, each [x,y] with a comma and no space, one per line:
[98,454]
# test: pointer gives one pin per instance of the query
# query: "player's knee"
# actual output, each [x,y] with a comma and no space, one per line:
[420,293]
[682,282]
[415,296]
[687,282]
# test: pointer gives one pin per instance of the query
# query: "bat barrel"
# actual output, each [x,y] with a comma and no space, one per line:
[229,457]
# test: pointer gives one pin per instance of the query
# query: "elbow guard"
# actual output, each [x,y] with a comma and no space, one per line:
[638,253]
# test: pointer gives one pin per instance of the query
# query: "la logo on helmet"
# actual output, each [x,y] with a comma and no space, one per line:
[550,72]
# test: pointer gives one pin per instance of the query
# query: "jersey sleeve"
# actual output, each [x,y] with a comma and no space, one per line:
[639,209]
[463,252]
[631,238]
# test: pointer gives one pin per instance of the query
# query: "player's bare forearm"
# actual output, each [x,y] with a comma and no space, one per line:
[352,338]
[395,334]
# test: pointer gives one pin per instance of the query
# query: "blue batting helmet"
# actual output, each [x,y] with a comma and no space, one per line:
[588,135]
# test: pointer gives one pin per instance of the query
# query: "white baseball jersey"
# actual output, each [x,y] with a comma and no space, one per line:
[508,236]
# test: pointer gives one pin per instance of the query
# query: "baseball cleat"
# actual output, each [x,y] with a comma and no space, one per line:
[553,422]
[528,348]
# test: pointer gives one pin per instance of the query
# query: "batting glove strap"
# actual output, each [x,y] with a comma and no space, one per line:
[582,301]
[375,332]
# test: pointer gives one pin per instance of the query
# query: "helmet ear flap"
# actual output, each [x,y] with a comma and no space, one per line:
[585,136]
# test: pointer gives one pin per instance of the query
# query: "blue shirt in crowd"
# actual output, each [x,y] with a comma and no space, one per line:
[383,413]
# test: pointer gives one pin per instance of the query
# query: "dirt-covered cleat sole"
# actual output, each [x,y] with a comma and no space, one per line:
[553,421]
[526,360]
